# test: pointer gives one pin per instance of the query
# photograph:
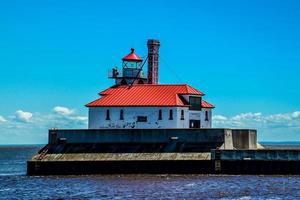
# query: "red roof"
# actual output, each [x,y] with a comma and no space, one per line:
[145,95]
[132,57]
[205,104]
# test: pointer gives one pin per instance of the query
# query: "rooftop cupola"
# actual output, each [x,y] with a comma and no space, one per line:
[132,60]
[131,70]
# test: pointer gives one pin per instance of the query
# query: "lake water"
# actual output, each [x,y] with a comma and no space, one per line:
[14,184]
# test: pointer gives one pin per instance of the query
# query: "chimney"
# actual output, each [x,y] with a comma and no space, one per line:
[153,56]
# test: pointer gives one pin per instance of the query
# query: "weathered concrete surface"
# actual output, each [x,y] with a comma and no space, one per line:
[171,147]
[260,147]
[258,155]
[171,151]
[139,135]
[122,157]
[222,138]
[244,139]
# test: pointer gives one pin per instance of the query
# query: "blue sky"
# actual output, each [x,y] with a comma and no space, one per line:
[55,56]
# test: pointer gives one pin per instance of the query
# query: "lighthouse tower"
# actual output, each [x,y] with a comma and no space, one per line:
[141,102]
[131,70]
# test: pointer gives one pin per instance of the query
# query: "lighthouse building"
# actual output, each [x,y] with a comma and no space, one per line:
[139,101]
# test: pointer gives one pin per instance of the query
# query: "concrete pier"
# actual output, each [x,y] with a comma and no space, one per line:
[159,151]
[235,162]
[170,140]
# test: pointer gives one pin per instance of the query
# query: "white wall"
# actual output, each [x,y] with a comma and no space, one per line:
[182,123]
[97,117]
[200,115]
[204,123]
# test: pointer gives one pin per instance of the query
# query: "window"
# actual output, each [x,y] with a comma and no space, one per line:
[171,115]
[142,119]
[182,115]
[195,103]
[160,115]
[121,114]
[107,115]
[206,116]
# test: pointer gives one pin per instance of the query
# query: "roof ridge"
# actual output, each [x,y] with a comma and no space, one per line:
[160,84]
[154,85]
[148,94]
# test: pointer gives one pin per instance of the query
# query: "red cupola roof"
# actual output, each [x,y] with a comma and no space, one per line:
[132,57]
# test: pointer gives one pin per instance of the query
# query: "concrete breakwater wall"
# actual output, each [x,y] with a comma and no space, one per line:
[264,161]
[221,162]
[167,151]
[113,151]
[153,140]
[263,155]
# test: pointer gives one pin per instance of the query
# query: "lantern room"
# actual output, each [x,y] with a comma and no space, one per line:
[132,60]
[132,66]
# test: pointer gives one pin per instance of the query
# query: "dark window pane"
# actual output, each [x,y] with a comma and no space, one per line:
[171,115]
[122,115]
[206,116]
[142,119]
[160,115]
[107,115]
[195,103]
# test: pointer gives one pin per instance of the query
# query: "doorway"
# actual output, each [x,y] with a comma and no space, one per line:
[195,123]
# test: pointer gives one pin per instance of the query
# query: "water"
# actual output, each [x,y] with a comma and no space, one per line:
[14,184]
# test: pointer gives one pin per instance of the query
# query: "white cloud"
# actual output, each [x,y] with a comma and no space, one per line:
[296,114]
[66,118]
[219,118]
[2,119]
[23,116]
[271,127]
[14,130]
[248,116]
[63,110]
[81,118]
[258,120]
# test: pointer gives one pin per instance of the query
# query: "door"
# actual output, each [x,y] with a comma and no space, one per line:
[195,124]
